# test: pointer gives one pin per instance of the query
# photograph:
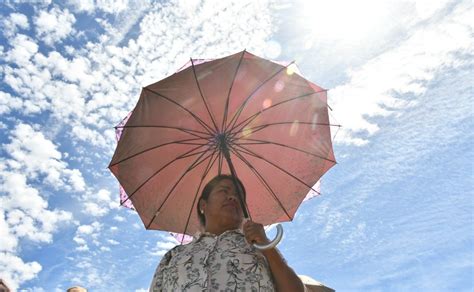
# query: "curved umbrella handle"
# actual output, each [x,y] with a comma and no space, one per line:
[272,243]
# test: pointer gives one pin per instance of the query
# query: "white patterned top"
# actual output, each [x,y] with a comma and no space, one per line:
[214,263]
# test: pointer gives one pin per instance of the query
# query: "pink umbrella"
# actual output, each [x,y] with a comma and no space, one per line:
[241,114]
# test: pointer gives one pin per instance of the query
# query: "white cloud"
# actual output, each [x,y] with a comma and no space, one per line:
[94,209]
[36,225]
[9,103]
[54,25]
[427,8]
[88,229]
[82,247]
[98,203]
[106,78]
[119,218]
[34,155]
[9,241]
[103,195]
[163,246]
[82,5]
[19,20]
[13,22]
[24,213]
[89,6]
[23,48]
[124,18]
[373,89]
[87,233]
[113,242]
[104,248]
[14,271]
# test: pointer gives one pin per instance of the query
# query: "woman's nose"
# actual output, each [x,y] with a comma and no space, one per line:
[232,196]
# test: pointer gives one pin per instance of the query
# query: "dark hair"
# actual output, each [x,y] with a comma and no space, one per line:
[206,191]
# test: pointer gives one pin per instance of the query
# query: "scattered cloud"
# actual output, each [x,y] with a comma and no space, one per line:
[87,88]
[87,234]
[163,246]
[23,48]
[30,160]
[90,92]
[13,23]
[374,89]
[113,242]
[119,218]
[9,103]
[33,155]
[14,271]
[91,6]
[99,203]
[54,25]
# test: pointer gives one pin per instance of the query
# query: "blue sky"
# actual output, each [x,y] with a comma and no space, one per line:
[395,214]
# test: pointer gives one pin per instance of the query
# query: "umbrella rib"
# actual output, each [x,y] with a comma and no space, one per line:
[161,145]
[201,122]
[220,163]
[187,131]
[250,152]
[263,181]
[202,96]
[264,126]
[196,153]
[159,170]
[251,118]
[206,171]
[286,146]
[224,120]
[241,108]
[191,167]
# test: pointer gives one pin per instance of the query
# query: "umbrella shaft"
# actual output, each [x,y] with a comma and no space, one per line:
[237,186]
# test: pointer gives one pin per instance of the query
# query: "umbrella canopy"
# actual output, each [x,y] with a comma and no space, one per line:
[272,122]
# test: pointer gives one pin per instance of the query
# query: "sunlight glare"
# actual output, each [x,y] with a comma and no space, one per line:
[339,19]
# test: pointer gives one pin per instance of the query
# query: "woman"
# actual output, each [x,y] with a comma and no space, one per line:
[221,258]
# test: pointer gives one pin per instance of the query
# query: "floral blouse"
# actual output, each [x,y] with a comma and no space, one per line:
[214,263]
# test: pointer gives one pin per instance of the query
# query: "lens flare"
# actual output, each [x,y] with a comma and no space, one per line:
[291,69]
[267,103]
[294,128]
[279,85]
[246,132]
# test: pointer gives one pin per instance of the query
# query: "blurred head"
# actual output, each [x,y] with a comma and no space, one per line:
[76,289]
[219,204]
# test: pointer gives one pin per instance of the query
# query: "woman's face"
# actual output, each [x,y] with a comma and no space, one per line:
[222,207]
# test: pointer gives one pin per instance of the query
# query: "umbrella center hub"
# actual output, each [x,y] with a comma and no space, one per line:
[222,140]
